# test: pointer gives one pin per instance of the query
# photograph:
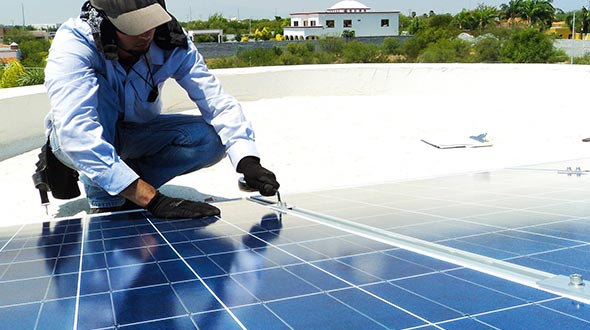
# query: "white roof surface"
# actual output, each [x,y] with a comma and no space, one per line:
[348,4]
[316,140]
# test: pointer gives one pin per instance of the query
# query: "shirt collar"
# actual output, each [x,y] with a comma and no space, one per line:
[156,54]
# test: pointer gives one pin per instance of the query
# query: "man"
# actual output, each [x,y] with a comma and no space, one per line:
[103,76]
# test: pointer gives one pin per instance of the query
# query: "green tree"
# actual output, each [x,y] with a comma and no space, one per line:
[542,13]
[466,20]
[511,10]
[530,46]
[17,34]
[582,20]
[34,52]
[263,34]
[275,26]
[485,15]
[538,13]
[416,24]
[585,20]
[404,22]
[440,21]
[487,50]
[413,47]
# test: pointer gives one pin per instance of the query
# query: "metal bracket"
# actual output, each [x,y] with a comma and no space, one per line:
[577,172]
[573,287]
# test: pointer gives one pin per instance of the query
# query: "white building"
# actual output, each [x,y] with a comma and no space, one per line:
[345,15]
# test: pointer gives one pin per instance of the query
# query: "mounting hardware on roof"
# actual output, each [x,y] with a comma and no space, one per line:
[576,280]
[577,172]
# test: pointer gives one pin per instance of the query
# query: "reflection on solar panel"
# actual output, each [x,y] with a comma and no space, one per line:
[258,269]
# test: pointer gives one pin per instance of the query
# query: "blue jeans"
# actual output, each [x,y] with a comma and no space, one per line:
[158,151]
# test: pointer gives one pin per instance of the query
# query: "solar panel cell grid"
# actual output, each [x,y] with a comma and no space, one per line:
[257,269]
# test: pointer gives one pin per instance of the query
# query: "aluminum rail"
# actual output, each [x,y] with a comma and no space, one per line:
[572,286]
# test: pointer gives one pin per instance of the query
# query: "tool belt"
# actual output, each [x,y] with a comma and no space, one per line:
[52,175]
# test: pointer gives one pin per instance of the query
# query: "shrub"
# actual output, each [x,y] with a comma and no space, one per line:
[530,46]
[582,60]
[487,50]
[302,50]
[332,45]
[32,76]
[225,62]
[360,52]
[348,34]
[12,73]
[258,57]
[391,46]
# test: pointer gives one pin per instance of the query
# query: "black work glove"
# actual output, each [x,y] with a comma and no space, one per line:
[165,207]
[257,176]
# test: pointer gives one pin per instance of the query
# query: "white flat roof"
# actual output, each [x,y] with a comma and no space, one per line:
[320,139]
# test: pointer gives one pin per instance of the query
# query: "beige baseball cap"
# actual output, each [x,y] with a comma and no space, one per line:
[133,17]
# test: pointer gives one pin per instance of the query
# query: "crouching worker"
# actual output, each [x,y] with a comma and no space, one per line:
[104,75]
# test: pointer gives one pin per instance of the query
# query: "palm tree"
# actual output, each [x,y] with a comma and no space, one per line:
[485,15]
[542,13]
[466,20]
[582,20]
[535,12]
[512,10]
[526,11]
[585,19]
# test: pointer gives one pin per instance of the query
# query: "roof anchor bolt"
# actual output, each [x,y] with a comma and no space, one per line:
[282,205]
[576,280]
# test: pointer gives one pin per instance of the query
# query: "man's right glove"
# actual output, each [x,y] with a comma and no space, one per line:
[257,176]
[165,207]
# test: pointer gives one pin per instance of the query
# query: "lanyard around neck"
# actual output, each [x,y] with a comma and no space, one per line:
[154,93]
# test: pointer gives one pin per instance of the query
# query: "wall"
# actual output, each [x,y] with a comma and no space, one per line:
[576,48]
[21,126]
[226,49]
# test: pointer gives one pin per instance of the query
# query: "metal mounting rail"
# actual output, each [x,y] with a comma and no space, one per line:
[572,286]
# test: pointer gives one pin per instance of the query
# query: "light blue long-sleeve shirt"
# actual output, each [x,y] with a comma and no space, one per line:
[71,80]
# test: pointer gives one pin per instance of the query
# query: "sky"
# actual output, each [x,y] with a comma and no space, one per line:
[57,11]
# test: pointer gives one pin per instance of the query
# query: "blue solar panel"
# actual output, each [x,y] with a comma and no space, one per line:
[257,269]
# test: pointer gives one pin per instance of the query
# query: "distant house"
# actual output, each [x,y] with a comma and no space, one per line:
[216,32]
[9,53]
[562,30]
[345,15]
